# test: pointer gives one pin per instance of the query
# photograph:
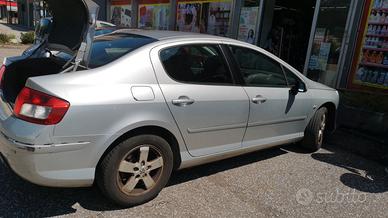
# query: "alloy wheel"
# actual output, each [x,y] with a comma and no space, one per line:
[321,130]
[140,170]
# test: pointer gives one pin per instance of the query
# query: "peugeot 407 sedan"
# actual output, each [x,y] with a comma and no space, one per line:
[129,107]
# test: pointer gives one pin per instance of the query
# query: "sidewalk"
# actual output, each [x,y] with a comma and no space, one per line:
[13,29]
[11,50]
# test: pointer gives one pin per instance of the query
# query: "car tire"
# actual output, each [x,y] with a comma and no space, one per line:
[315,131]
[136,170]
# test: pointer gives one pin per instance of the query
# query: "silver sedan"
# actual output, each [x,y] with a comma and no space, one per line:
[127,108]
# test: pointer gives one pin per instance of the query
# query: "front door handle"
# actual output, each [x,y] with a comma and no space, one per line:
[183,101]
[259,99]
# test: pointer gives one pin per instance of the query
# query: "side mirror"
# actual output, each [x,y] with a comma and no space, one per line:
[294,89]
[297,88]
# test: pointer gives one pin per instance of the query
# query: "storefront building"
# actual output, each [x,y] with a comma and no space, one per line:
[340,43]
[8,10]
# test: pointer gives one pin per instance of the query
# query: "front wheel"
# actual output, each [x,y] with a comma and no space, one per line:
[136,170]
[315,131]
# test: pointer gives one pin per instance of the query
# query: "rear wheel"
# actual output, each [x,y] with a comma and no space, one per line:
[315,131]
[136,170]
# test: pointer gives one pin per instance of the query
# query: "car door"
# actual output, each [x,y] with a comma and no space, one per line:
[209,109]
[275,114]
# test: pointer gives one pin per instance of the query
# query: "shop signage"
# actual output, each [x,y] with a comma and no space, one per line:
[209,16]
[121,13]
[248,24]
[154,14]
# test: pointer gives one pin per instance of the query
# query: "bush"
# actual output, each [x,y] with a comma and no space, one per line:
[4,38]
[27,38]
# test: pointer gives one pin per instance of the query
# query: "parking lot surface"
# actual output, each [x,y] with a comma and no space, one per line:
[280,182]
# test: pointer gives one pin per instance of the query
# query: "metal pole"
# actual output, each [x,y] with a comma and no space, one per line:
[312,35]
[9,12]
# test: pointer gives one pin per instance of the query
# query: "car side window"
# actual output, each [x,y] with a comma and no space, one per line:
[196,63]
[292,79]
[258,69]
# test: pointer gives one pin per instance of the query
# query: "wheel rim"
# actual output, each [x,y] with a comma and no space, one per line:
[140,170]
[321,130]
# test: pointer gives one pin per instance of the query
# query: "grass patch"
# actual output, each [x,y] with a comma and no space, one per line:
[5,38]
[27,38]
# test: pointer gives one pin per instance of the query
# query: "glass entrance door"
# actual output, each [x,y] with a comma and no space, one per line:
[327,39]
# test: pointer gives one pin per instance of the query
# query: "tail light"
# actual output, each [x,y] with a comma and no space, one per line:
[38,107]
[2,70]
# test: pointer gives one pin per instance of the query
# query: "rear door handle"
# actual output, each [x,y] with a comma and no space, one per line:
[259,99]
[183,101]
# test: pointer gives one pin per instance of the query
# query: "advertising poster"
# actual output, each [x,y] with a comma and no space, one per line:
[210,16]
[121,13]
[154,16]
[248,24]
[370,64]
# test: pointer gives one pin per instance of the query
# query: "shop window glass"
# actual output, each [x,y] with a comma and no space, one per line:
[121,13]
[370,66]
[323,63]
[154,14]
[258,69]
[199,64]
[249,16]
[204,16]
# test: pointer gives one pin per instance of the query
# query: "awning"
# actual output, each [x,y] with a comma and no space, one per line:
[10,5]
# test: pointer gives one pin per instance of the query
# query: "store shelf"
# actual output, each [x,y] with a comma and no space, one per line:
[376,49]
[366,64]
[378,23]
[380,9]
[377,35]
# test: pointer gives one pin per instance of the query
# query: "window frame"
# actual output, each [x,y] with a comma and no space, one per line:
[238,72]
[223,55]
[296,75]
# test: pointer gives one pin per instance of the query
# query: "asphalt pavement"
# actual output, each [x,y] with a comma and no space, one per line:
[280,182]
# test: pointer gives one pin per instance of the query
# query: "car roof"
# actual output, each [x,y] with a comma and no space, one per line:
[161,35]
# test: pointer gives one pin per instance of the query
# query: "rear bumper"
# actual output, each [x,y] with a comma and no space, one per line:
[46,165]
[32,153]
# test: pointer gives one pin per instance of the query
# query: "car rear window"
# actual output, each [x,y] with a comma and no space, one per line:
[111,47]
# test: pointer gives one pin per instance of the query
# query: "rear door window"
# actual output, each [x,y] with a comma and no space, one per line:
[108,48]
[196,63]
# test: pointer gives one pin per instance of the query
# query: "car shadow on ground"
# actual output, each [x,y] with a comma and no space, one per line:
[19,198]
[363,175]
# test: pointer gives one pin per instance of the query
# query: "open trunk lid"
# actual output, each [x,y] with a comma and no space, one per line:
[70,29]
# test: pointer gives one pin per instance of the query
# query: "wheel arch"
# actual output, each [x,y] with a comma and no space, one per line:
[153,130]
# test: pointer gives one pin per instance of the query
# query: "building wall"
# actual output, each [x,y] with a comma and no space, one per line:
[103,12]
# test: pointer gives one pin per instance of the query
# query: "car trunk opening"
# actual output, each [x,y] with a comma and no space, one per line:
[16,74]
[105,49]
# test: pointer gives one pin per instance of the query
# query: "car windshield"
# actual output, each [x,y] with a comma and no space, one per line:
[111,47]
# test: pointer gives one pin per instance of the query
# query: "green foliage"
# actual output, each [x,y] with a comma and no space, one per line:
[27,38]
[4,38]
